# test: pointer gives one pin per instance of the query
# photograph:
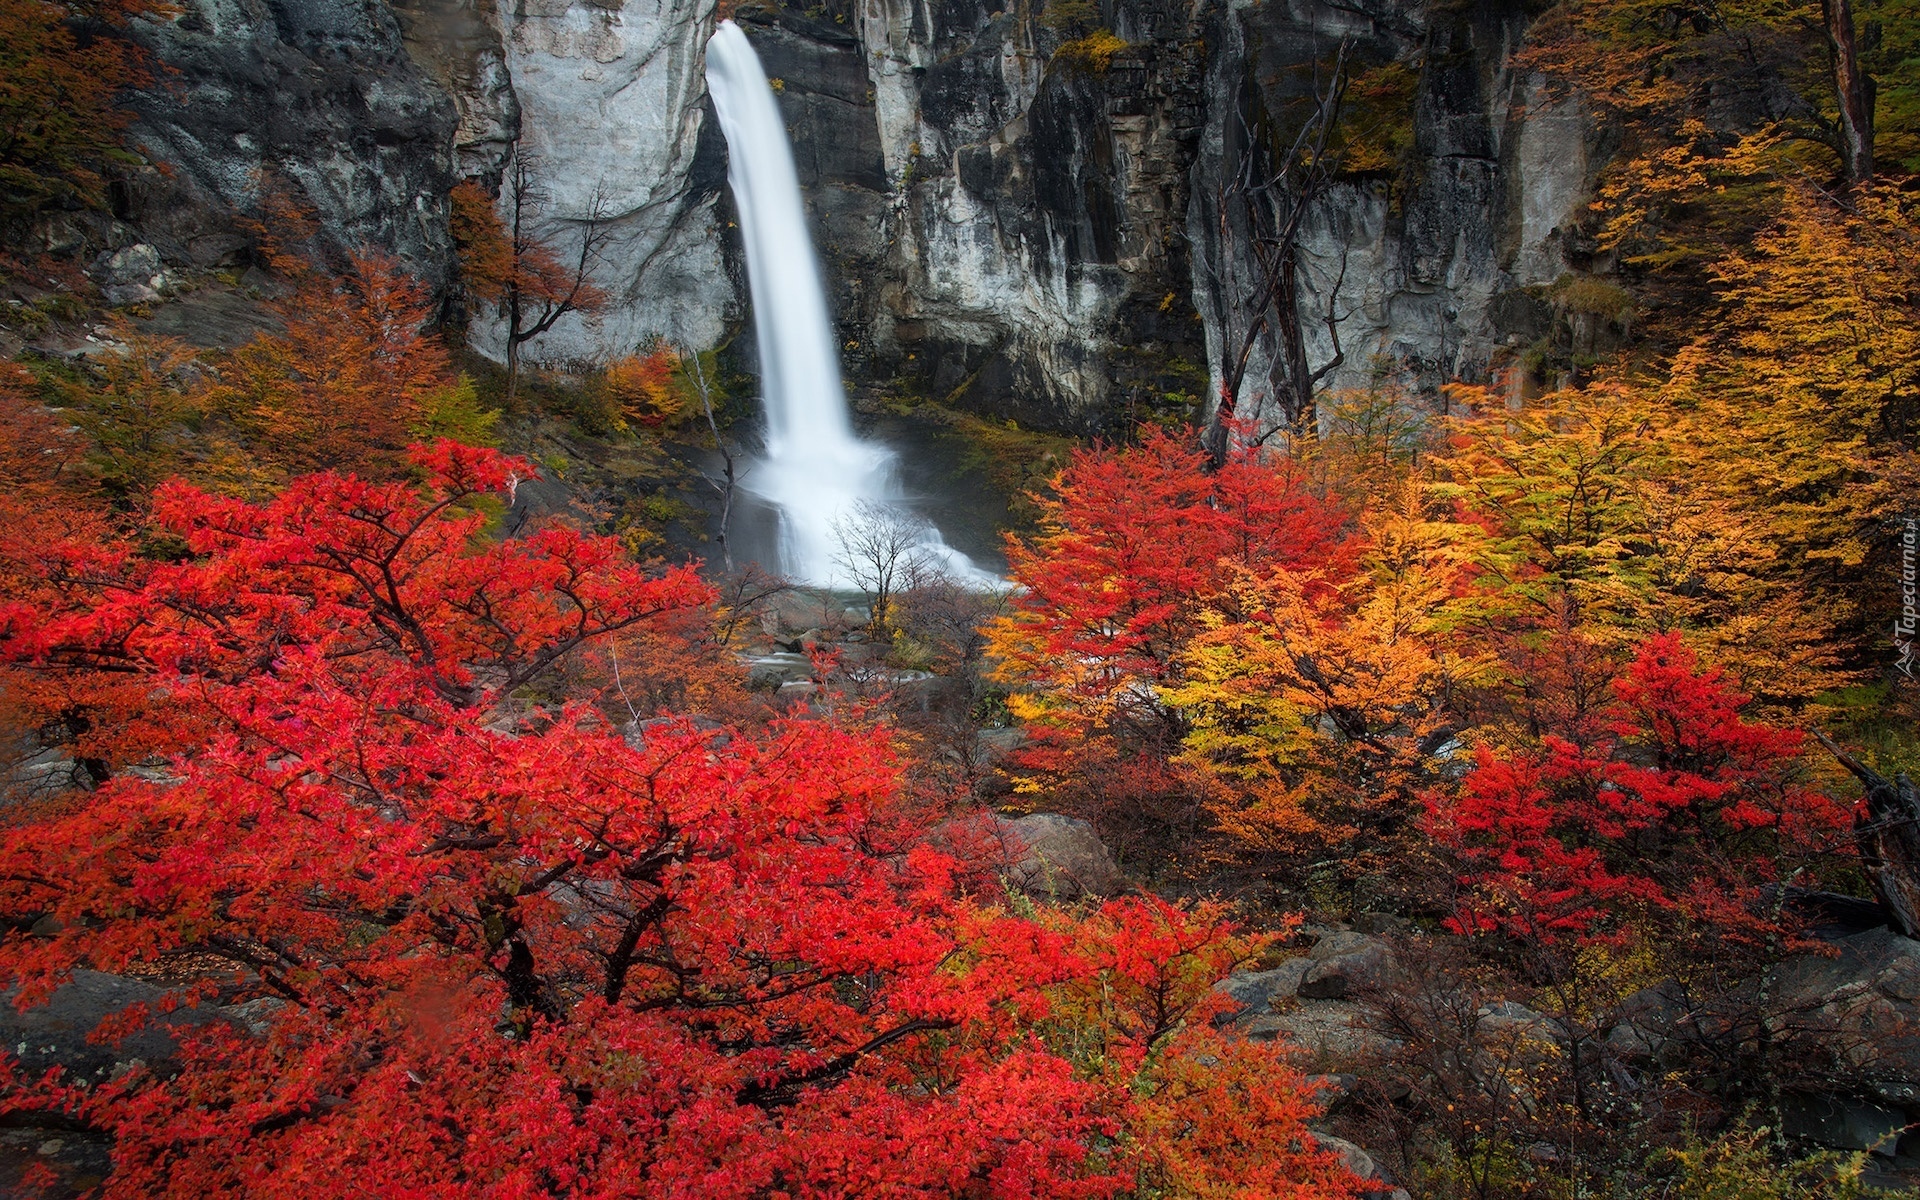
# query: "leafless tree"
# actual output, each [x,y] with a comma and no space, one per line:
[1854,89]
[1888,836]
[1269,181]
[884,551]
[948,618]
[540,287]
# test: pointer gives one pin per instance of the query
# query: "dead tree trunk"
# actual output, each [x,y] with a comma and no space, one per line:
[1855,91]
[726,483]
[1267,188]
[1887,830]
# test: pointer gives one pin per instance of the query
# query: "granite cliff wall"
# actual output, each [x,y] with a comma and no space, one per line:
[1012,228]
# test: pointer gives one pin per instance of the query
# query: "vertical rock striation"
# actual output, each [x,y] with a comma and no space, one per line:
[1424,270]
[1007,225]
[613,111]
[317,97]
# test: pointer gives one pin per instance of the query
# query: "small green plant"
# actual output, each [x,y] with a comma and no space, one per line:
[1739,1166]
[456,412]
[1589,294]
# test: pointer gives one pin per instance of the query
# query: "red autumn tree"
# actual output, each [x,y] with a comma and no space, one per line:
[1671,815]
[99,721]
[1135,545]
[505,951]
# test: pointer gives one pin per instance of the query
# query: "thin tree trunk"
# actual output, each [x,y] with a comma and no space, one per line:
[726,455]
[1855,91]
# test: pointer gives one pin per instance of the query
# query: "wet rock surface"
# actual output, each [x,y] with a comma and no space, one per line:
[1843,1019]
[317,98]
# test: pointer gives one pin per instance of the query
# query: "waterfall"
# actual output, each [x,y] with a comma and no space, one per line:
[815,471]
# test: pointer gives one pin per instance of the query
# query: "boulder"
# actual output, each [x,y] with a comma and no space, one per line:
[1344,963]
[70,1162]
[1362,1164]
[1842,1124]
[1332,1033]
[55,1033]
[1507,1021]
[1858,1002]
[1256,991]
[1060,856]
[1380,923]
[213,315]
[1645,1021]
[139,263]
[255,1016]
[1333,1091]
[124,295]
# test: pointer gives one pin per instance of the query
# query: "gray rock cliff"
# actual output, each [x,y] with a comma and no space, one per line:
[319,98]
[1013,229]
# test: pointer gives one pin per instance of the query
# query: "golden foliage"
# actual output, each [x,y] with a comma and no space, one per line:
[1092,54]
[646,387]
[352,372]
[1310,701]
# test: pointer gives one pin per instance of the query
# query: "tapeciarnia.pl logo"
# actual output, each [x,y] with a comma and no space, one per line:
[1908,622]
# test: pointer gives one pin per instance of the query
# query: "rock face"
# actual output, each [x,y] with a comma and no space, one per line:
[612,107]
[317,97]
[1056,855]
[1424,270]
[1031,234]
[1011,228]
[1036,271]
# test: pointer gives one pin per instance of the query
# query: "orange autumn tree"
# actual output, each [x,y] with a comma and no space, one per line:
[507,951]
[1314,698]
[510,263]
[645,388]
[1715,107]
[1800,404]
[63,67]
[353,371]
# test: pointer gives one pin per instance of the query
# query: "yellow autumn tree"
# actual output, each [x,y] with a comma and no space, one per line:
[1312,701]
[1802,404]
[1609,522]
[645,389]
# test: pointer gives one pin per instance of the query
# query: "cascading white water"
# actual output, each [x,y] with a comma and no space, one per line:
[815,471]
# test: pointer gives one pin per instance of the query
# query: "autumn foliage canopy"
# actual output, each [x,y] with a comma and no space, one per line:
[497,946]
